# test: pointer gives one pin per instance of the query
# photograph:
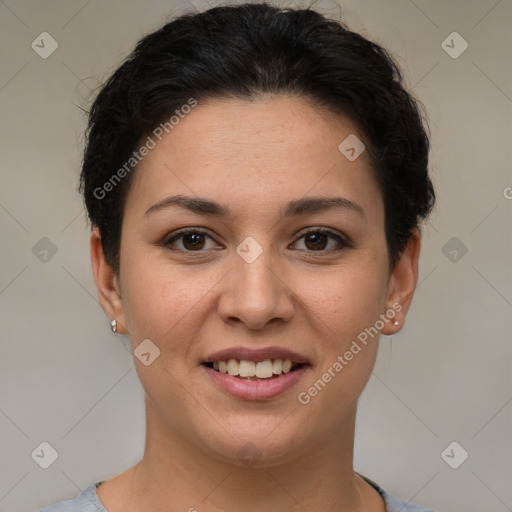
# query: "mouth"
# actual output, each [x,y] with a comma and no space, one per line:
[260,374]
[265,370]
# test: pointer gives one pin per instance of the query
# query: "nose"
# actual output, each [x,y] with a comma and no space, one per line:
[254,294]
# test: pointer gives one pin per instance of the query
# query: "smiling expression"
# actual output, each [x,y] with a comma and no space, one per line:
[246,233]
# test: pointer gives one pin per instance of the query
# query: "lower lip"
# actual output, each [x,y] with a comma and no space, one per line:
[255,389]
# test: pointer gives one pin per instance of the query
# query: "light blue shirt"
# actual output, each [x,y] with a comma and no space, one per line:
[88,501]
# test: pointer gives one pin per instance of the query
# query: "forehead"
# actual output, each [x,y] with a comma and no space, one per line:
[268,149]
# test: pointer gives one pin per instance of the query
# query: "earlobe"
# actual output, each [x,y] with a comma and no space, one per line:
[107,284]
[402,283]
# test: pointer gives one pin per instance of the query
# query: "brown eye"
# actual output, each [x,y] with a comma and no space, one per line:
[316,241]
[191,240]
[323,240]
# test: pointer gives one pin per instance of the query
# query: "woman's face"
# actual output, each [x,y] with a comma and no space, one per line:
[265,265]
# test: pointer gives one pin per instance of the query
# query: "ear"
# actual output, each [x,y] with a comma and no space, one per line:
[402,282]
[107,283]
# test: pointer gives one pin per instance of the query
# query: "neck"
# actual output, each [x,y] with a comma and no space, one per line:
[176,473]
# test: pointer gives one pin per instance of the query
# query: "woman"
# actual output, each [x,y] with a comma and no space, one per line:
[255,179]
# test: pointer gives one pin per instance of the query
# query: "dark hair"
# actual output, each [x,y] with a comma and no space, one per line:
[243,52]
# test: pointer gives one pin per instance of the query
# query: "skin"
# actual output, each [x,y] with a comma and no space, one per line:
[253,157]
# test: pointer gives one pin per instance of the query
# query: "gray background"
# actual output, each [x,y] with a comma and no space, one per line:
[65,379]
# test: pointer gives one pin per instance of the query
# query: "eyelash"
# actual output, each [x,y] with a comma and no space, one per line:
[342,242]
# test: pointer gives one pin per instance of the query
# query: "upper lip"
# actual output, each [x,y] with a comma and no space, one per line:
[256,355]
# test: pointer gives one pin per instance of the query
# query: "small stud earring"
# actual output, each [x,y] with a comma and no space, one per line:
[395,322]
[113,326]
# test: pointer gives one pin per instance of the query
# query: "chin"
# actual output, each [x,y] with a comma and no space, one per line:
[256,445]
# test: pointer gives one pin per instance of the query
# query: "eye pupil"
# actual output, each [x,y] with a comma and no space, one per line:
[196,241]
[318,240]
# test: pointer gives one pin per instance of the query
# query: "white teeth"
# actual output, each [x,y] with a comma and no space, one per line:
[247,368]
[262,369]
[287,365]
[233,367]
[278,366]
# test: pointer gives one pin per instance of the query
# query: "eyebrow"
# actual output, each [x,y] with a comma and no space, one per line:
[294,208]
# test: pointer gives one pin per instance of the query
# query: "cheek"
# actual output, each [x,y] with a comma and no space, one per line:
[348,299]
[346,307]
[156,294]
[158,303]
[165,305]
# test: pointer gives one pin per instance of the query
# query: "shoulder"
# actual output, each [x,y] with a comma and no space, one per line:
[86,501]
[394,504]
